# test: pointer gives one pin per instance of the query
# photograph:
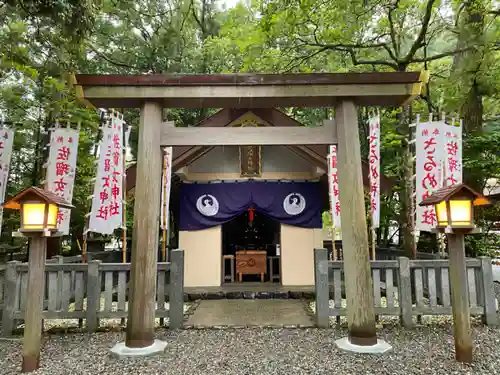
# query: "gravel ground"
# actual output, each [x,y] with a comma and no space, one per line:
[262,351]
[427,349]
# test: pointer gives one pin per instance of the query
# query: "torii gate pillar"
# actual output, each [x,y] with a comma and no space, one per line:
[142,294]
[357,270]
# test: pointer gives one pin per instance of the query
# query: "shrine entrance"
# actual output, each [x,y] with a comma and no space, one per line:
[256,234]
[343,91]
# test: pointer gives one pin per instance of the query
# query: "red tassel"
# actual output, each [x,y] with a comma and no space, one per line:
[251,214]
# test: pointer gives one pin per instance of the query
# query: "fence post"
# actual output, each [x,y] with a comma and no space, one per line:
[10,291]
[321,288]
[93,295]
[488,292]
[404,292]
[59,259]
[176,300]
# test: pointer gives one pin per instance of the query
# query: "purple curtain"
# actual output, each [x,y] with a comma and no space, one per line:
[207,205]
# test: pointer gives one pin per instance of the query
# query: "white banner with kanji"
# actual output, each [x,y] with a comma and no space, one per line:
[374,174]
[61,169]
[430,152]
[453,157]
[107,201]
[6,142]
[166,187]
[333,184]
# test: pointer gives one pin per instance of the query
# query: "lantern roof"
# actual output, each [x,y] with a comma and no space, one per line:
[36,193]
[448,192]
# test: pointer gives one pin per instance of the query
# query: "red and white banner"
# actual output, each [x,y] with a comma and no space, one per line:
[165,187]
[107,202]
[6,142]
[333,183]
[374,175]
[453,158]
[61,170]
[430,152]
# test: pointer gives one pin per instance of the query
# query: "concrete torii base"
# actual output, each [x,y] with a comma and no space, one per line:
[380,347]
[121,351]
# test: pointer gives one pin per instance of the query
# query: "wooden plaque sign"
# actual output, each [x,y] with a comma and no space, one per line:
[250,162]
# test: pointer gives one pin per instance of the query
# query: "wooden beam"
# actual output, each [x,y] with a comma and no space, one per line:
[247,136]
[141,311]
[248,96]
[358,280]
[188,157]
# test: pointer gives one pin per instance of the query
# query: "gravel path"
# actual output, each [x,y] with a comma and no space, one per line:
[425,350]
[262,351]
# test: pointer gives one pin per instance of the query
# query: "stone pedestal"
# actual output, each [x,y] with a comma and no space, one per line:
[120,350]
[380,347]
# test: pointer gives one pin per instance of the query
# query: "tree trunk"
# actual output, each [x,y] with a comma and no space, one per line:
[467,66]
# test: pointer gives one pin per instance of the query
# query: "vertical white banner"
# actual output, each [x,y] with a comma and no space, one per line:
[429,169]
[453,160]
[374,174]
[61,170]
[6,142]
[107,202]
[165,188]
[333,184]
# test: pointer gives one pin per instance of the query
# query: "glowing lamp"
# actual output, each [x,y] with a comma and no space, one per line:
[39,209]
[454,206]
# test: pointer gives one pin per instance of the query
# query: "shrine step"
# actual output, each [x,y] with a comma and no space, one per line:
[250,295]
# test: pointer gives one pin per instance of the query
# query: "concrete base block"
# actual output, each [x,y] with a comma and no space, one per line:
[380,347]
[121,351]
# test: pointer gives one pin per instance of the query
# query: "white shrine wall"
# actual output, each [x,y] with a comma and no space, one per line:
[297,254]
[202,256]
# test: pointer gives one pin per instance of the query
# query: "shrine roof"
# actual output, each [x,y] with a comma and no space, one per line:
[249,90]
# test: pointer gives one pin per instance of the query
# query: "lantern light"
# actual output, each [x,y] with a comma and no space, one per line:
[39,209]
[454,206]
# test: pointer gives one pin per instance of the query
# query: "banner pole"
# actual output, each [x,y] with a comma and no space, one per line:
[164,212]
[124,196]
[374,242]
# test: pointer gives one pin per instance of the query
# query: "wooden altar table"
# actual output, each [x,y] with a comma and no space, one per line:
[251,262]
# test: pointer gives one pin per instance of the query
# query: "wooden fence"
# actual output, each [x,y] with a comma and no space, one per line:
[405,288]
[90,291]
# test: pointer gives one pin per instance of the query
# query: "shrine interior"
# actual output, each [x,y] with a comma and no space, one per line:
[262,233]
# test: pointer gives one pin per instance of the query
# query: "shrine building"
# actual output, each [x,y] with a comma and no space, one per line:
[249,212]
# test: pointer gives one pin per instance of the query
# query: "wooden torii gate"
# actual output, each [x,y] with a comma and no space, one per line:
[343,91]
